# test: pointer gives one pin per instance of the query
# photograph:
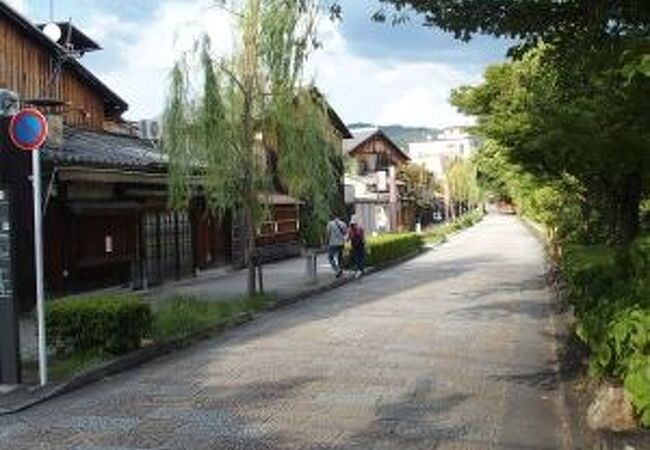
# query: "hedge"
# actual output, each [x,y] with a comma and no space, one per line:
[113,324]
[439,233]
[388,247]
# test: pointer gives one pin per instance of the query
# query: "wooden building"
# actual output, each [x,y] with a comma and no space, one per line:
[106,216]
[372,186]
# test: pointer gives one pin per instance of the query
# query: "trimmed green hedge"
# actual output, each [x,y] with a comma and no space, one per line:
[113,324]
[387,247]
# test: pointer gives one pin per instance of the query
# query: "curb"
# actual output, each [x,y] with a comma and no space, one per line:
[534,228]
[144,355]
[561,327]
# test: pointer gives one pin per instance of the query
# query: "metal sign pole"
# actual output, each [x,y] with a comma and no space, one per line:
[38,261]
[28,131]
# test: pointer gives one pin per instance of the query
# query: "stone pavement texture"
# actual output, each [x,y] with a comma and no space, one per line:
[451,350]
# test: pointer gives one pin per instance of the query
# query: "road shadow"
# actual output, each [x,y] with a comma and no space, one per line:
[372,288]
[418,419]
[527,302]
[504,309]
[541,380]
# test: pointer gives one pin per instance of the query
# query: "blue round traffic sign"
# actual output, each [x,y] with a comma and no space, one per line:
[28,129]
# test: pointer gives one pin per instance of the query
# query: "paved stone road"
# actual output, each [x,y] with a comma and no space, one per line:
[452,350]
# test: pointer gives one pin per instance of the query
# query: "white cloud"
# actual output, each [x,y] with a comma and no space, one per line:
[104,27]
[383,91]
[148,51]
[18,5]
[386,91]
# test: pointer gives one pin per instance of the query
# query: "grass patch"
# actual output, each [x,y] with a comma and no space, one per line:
[63,367]
[182,315]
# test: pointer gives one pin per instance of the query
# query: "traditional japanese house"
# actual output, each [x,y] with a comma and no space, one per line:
[372,191]
[106,216]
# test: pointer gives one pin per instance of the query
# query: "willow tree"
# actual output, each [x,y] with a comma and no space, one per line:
[461,186]
[242,126]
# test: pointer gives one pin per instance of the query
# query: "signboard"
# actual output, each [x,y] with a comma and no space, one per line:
[9,353]
[28,129]
[6,290]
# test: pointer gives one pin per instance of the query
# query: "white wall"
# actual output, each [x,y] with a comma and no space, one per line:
[452,143]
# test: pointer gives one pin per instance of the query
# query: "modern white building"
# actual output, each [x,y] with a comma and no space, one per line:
[451,143]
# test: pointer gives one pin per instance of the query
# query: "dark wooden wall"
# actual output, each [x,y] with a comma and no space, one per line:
[282,227]
[378,147]
[26,66]
[75,248]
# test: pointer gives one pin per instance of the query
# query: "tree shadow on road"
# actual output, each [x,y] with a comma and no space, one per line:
[527,302]
[417,420]
[373,288]
[504,309]
[541,380]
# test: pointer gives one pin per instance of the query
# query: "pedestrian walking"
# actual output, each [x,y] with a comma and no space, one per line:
[336,232]
[357,240]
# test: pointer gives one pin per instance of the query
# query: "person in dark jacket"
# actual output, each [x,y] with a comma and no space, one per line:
[357,239]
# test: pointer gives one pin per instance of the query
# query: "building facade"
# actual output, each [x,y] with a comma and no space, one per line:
[106,216]
[435,155]
[372,191]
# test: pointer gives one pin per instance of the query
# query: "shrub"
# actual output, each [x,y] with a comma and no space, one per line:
[591,273]
[610,289]
[388,247]
[637,383]
[112,324]
[623,338]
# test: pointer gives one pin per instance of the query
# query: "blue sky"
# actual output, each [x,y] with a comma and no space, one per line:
[370,72]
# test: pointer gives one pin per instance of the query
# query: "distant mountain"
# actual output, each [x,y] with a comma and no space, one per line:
[400,134]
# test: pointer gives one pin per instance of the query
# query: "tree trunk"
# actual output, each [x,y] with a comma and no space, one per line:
[251,255]
[628,208]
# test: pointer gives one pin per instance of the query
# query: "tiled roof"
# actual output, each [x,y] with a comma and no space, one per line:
[101,149]
[363,135]
[358,138]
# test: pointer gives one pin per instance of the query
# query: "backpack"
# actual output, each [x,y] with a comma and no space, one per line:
[356,237]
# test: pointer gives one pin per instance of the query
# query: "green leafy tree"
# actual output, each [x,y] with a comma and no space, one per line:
[530,22]
[589,126]
[241,126]
[418,186]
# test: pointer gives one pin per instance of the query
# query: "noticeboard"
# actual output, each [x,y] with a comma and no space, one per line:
[9,352]
[6,280]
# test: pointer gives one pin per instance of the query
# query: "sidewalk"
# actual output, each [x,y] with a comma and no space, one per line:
[283,279]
